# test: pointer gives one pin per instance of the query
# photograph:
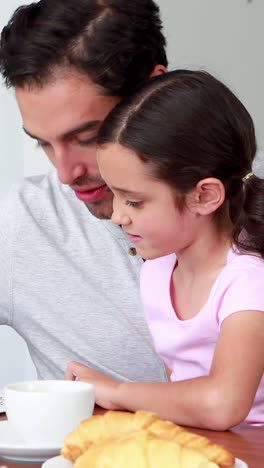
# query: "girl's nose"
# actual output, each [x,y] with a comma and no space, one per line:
[120,219]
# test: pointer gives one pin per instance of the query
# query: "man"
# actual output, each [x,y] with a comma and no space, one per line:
[68,281]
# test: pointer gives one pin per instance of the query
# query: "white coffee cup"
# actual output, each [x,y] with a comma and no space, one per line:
[43,412]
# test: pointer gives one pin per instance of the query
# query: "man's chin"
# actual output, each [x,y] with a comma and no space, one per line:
[101,209]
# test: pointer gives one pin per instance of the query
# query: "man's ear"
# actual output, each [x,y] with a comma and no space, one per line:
[158,70]
[209,196]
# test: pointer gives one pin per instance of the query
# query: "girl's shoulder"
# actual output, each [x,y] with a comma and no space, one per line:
[244,270]
[244,261]
[239,286]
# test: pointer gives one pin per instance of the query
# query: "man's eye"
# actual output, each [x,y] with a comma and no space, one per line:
[135,204]
[42,144]
[88,141]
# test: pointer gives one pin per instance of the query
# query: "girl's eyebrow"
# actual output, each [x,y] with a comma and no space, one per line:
[123,190]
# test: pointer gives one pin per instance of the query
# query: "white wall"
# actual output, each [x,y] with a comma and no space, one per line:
[223,36]
[19,156]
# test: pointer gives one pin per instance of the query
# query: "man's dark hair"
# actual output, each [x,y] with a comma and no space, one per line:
[116,43]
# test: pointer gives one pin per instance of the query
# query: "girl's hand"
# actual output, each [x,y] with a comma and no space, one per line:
[105,387]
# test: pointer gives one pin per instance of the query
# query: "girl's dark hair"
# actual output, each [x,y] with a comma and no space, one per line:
[116,43]
[188,126]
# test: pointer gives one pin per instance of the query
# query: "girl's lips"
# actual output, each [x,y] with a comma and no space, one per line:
[91,195]
[134,239]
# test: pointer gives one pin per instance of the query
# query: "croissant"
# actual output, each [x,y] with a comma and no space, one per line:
[115,426]
[110,426]
[217,453]
[143,450]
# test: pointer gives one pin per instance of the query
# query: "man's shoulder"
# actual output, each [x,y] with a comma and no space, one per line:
[38,185]
[36,193]
[39,200]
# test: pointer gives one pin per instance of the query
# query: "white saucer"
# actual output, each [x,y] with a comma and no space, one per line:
[57,462]
[61,462]
[12,448]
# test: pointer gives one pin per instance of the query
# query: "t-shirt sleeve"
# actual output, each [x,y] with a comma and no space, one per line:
[7,233]
[245,290]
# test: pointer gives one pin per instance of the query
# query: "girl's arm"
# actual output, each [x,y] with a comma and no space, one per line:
[217,401]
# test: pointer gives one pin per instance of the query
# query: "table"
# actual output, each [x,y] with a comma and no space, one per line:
[246,443]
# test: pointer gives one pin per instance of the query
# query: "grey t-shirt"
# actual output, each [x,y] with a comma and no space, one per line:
[69,287]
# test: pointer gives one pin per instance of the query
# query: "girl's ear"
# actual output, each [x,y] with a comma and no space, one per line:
[209,195]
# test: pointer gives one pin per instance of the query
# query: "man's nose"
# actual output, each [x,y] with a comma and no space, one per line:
[68,166]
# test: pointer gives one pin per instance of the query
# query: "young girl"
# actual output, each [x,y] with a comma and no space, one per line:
[178,157]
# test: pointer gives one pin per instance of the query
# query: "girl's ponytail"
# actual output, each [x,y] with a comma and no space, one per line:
[251,218]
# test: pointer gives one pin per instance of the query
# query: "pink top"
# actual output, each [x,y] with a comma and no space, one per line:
[187,347]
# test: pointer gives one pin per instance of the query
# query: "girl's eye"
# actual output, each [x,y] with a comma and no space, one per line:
[135,204]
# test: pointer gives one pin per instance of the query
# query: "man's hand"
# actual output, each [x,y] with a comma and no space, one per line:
[105,387]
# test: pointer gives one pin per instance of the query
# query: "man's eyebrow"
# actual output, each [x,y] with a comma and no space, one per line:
[91,125]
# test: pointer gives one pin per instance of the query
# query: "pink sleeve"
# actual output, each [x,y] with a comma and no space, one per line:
[245,291]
